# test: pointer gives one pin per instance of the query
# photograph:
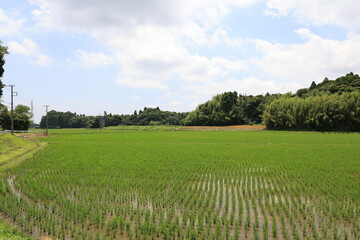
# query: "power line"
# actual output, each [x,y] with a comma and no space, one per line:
[22,97]
[32,109]
[3,101]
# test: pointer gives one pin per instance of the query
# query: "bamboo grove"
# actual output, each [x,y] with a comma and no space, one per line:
[322,113]
[188,185]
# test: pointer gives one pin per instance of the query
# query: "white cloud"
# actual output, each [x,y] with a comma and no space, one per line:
[135,97]
[152,106]
[221,36]
[156,53]
[94,59]
[8,25]
[42,60]
[309,61]
[149,39]
[138,83]
[331,12]
[28,47]
[175,104]
[165,95]
[84,15]
[248,86]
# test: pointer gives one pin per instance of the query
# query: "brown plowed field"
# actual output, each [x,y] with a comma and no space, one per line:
[224,128]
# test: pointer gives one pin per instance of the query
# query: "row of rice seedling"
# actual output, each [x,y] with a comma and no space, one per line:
[109,186]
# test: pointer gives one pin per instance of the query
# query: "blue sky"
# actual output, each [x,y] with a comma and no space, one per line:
[119,56]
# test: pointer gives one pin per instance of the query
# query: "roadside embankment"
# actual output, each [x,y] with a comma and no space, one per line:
[13,151]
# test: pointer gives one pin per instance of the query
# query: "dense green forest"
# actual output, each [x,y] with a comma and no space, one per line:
[147,116]
[348,83]
[324,106]
[332,105]
[332,112]
[229,108]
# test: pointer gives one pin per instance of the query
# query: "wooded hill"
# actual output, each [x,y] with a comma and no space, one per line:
[348,83]
[147,116]
[330,105]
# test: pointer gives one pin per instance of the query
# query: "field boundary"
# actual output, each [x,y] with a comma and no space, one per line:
[224,128]
[22,157]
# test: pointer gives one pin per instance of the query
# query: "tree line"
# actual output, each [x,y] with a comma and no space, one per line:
[230,108]
[147,116]
[335,112]
[348,83]
[331,105]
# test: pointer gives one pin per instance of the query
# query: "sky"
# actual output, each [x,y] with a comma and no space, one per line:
[91,56]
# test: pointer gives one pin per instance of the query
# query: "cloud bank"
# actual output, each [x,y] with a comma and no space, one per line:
[169,46]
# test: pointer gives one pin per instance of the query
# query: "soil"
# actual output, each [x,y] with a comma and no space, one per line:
[31,135]
[224,128]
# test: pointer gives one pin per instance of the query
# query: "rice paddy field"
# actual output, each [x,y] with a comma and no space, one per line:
[187,185]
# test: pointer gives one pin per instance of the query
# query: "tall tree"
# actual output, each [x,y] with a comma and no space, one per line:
[5,122]
[22,116]
[312,86]
[3,52]
[22,109]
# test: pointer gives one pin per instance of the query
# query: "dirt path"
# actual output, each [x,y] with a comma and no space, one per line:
[16,192]
[224,128]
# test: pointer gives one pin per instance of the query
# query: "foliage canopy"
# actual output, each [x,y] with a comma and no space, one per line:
[22,117]
[3,52]
[331,105]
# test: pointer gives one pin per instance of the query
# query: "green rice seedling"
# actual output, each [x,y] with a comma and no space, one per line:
[274,230]
[132,184]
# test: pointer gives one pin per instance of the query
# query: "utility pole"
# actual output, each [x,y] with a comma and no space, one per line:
[32,113]
[13,94]
[32,108]
[47,119]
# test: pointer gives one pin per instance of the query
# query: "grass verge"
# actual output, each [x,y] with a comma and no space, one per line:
[14,151]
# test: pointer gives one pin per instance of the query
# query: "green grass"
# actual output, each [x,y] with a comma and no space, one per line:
[12,151]
[9,232]
[175,184]
[11,147]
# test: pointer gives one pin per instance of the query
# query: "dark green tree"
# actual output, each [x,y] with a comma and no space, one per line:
[22,109]
[312,86]
[302,92]
[5,121]
[21,118]
[94,123]
[3,52]
[228,108]
[348,83]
